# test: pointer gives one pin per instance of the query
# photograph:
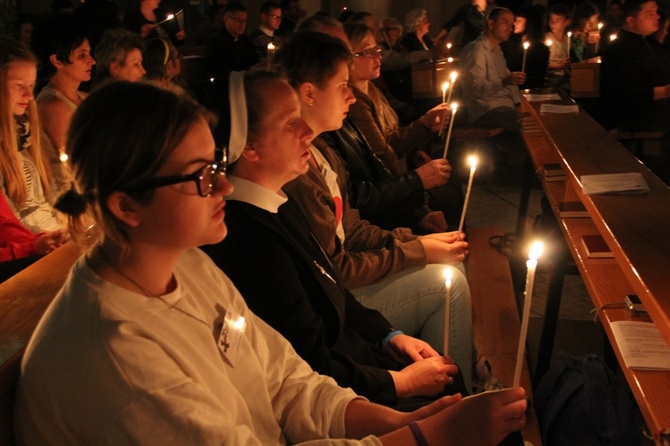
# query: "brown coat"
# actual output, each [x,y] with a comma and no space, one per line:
[369,252]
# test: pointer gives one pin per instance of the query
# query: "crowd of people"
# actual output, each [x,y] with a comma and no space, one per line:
[316,312]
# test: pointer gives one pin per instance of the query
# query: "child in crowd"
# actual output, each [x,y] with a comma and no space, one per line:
[25,176]
[559,59]
[585,33]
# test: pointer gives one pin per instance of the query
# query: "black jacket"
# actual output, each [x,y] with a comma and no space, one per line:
[385,200]
[287,280]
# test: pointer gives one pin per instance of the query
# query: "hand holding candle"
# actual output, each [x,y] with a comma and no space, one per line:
[447,309]
[169,17]
[531,264]
[525,52]
[472,160]
[454,108]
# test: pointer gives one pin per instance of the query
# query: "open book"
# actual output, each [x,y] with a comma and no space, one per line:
[642,345]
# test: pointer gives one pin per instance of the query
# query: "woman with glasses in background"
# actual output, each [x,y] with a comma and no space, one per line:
[376,120]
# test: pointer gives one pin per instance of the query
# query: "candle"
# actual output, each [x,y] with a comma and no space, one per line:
[531,264]
[525,51]
[453,77]
[600,26]
[169,17]
[548,42]
[473,166]
[447,309]
[569,37]
[454,108]
[612,37]
[448,50]
[271,51]
[450,59]
[445,87]
[62,156]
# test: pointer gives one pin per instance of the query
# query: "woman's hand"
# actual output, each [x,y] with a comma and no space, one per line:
[434,173]
[49,241]
[407,349]
[438,251]
[427,377]
[433,118]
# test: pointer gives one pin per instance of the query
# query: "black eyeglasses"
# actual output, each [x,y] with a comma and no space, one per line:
[206,178]
[370,52]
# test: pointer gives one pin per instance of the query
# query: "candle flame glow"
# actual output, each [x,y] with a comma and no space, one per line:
[454,107]
[271,46]
[239,323]
[548,42]
[450,59]
[612,37]
[526,45]
[535,250]
[170,17]
[472,161]
[569,33]
[453,76]
[445,85]
[600,25]
[63,157]
[448,45]
[447,276]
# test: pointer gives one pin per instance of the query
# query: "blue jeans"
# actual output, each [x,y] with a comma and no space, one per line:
[413,301]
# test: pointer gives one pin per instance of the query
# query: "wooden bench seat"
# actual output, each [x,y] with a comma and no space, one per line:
[496,323]
[475,132]
[23,300]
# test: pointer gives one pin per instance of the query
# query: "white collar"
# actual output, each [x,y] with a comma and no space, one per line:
[255,194]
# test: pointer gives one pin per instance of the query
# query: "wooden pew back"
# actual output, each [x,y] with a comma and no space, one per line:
[23,300]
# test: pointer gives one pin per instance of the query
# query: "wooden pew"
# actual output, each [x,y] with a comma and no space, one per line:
[496,324]
[633,226]
[23,300]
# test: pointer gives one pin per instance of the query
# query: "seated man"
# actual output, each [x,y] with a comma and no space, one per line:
[271,17]
[635,73]
[231,49]
[490,90]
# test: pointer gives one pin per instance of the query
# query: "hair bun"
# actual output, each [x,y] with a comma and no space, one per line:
[71,203]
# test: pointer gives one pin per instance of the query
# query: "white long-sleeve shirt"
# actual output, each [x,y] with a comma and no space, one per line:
[109,366]
[483,69]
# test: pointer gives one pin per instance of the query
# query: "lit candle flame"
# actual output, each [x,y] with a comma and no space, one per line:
[612,37]
[600,26]
[535,251]
[453,76]
[450,59]
[448,45]
[472,161]
[271,46]
[548,42]
[526,45]
[447,276]
[454,107]
[63,157]
[569,33]
[239,323]
[445,86]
